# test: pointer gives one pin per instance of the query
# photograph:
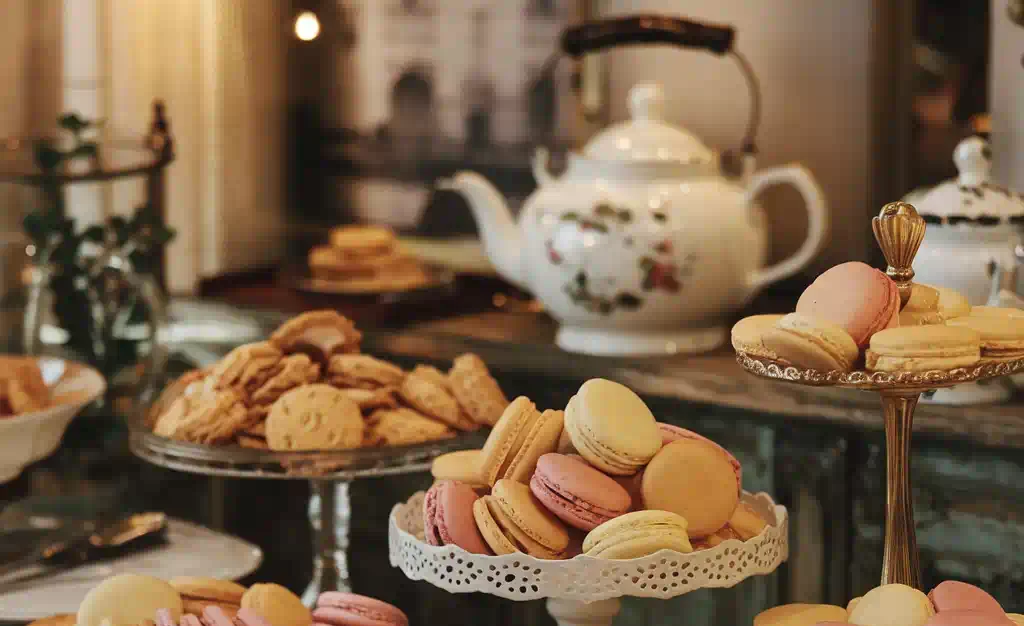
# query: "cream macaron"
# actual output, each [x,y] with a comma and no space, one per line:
[638,534]
[812,342]
[952,303]
[1002,337]
[611,427]
[892,605]
[922,307]
[128,600]
[923,348]
[748,335]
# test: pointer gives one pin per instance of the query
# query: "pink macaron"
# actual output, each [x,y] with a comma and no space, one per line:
[336,608]
[248,617]
[215,616]
[164,618]
[190,620]
[855,297]
[670,433]
[969,618]
[577,493]
[953,595]
[448,517]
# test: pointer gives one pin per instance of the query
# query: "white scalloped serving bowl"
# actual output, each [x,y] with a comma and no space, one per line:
[29,437]
[665,574]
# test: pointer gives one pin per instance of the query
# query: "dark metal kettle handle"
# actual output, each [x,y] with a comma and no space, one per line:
[603,34]
[597,35]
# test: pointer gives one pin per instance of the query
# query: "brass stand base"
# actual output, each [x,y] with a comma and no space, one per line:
[900,563]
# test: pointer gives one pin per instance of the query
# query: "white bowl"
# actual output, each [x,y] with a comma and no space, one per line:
[29,437]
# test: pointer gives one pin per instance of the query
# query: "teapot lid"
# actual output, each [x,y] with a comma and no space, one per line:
[647,137]
[971,198]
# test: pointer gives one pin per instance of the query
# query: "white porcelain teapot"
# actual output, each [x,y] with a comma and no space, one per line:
[642,246]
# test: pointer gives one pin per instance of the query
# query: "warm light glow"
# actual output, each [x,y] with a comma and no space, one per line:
[307,26]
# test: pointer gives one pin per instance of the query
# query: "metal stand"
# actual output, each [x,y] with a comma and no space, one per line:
[900,562]
[576,613]
[330,514]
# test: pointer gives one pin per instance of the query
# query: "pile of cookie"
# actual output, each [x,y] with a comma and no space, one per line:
[851,316]
[22,388]
[601,478]
[365,259]
[309,388]
[136,600]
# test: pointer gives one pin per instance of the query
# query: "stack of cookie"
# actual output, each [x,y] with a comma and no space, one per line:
[22,389]
[602,477]
[309,388]
[365,259]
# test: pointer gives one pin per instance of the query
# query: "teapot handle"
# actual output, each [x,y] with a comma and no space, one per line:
[817,220]
[597,35]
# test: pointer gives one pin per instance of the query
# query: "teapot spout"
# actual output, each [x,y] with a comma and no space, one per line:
[502,239]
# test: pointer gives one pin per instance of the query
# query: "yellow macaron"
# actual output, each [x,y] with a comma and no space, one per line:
[461,465]
[813,343]
[748,335]
[1002,337]
[128,600]
[611,427]
[519,438]
[277,605]
[638,534]
[892,605]
[923,348]
[800,615]
[512,520]
[922,307]
[952,303]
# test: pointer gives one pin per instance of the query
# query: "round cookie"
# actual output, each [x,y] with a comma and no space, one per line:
[277,605]
[429,398]
[611,427]
[362,241]
[807,341]
[314,417]
[363,371]
[892,605]
[477,392]
[692,478]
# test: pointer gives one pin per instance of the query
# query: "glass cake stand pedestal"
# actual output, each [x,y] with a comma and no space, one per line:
[329,473]
[585,591]
[899,231]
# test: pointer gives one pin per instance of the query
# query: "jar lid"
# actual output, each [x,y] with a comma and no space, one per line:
[646,137]
[971,198]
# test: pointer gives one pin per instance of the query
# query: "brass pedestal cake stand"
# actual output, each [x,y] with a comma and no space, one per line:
[899,231]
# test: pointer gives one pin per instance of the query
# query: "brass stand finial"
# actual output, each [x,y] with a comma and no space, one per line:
[899,231]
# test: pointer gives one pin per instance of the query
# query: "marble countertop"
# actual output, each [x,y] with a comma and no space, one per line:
[523,343]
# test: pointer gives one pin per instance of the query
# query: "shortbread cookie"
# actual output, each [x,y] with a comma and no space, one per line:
[372,399]
[362,241]
[363,371]
[293,371]
[247,367]
[183,385]
[403,427]
[314,417]
[210,417]
[477,392]
[259,429]
[434,400]
[320,333]
[433,374]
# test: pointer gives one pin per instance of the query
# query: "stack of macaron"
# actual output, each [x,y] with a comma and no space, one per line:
[135,600]
[951,603]
[601,478]
[851,317]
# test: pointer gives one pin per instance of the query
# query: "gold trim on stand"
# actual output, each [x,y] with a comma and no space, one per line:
[899,231]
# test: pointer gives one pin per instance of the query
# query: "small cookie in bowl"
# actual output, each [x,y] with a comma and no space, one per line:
[403,427]
[321,334]
[362,371]
[314,417]
[477,392]
[429,398]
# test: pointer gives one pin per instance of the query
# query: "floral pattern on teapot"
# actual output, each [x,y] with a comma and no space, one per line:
[589,247]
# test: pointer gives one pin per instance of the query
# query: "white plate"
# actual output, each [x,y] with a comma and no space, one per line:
[192,551]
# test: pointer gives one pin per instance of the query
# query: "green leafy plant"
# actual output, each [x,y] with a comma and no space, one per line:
[87,295]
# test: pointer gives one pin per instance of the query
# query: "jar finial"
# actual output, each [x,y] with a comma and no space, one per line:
[973,159]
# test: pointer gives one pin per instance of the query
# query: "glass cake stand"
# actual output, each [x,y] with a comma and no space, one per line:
[585,591]
[329,473]
[899,231]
